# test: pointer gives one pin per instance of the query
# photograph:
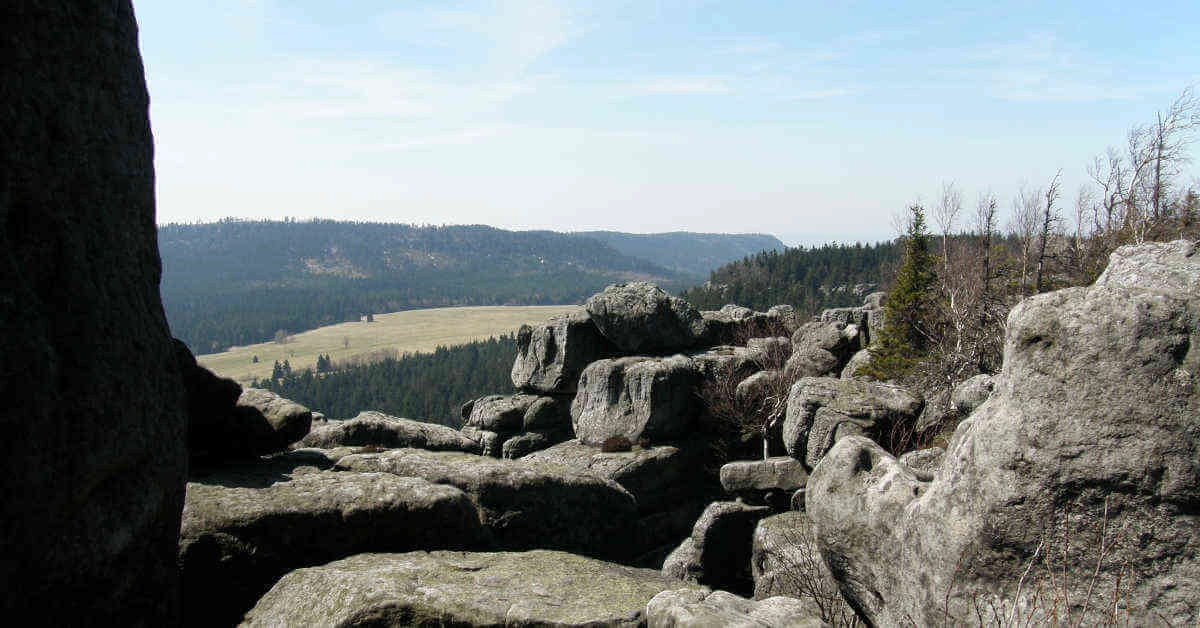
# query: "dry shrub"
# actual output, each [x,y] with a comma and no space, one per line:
[803,574]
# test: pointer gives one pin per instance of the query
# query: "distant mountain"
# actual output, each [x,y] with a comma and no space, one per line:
[694,254]
[237,282]
[809,279]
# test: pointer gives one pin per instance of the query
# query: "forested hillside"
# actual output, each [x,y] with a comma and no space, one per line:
[238,282]
[809,279]
[691,253]
[424,386]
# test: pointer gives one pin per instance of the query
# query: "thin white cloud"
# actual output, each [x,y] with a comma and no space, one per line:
[683,85]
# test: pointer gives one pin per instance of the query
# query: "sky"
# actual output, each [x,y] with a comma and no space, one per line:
[811,121]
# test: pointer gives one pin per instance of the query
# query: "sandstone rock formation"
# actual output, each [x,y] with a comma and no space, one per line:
[734,324]
[94,410]
[551,356]
[377,428]
[717,553]
[536,588]
[641,318]
[525,504]
[1090,434]
[692,607]
[822,348]
[753,480]
[787,561]
[822,410]
[289,420]
[971,393]
[635,397]
[236,541]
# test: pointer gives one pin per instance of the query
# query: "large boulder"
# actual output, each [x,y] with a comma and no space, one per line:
[734,324]
[787,561]
[215,429]
[755,480]
[551,356]
[499,413]
[697,607]
[1070,493]
[525,504]
[971,394]
[93,409]
[822,348]
[634,398]
[822,410]
[718,552]
[377,428]
[289,420]
[641,318]
[237,540]
[535,588]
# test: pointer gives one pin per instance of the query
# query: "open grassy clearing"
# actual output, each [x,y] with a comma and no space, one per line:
[411,331]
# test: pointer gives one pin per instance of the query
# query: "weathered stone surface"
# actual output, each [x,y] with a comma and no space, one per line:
[857,361]
[735,325]
[635,397]
[547,414]
[717,553]
[752,479]
[235,541]
[551,356]
[924,462]
[726,361]
[536,588]
[787,561]
[820,349]
[216,430]
[528,442]
[819,408]
[525,504]
[642,318]
[377,428]
[938,413]
[1093,414]
[971,394]
[692,607]
[657,477]
[488,443]
[289,420]
[93,407]
[500,413]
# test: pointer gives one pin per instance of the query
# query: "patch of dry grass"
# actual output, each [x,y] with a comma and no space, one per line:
[411,331]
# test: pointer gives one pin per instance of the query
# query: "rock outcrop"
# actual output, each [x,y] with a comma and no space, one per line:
[755,481]
[536,588]
[93,398]
[692,607]
[641,318]
[551,356]
[971,393]
[289,420]
[823,410]
[718,552]
[377,428]
[1090,434]
[634,398]
[822,348]
[787,561]
[525,504]
[236,541]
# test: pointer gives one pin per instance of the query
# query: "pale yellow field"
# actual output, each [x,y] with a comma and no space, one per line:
[412,331]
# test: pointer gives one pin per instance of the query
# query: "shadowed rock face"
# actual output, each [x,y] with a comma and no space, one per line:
[93,412]
[1093,415]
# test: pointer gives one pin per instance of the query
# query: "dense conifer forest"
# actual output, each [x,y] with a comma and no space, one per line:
[809,279]
[425,386]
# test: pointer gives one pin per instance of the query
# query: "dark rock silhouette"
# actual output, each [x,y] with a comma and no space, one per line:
[94,410]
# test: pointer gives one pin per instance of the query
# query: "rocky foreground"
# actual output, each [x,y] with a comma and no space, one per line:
[590,497]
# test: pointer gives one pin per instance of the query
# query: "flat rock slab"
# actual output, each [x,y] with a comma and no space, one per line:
[690,607]
[525,504]
[536,588]
[377,428]
[236,541]
[781,473]
[656,476]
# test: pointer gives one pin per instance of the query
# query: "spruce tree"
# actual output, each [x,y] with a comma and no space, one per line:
[906,310]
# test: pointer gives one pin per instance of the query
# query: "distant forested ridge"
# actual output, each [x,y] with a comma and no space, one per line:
[424,386]
[686,252]
[809,279]
[237,282]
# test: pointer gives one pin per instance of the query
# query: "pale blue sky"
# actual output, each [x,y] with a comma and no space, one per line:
[810,121]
